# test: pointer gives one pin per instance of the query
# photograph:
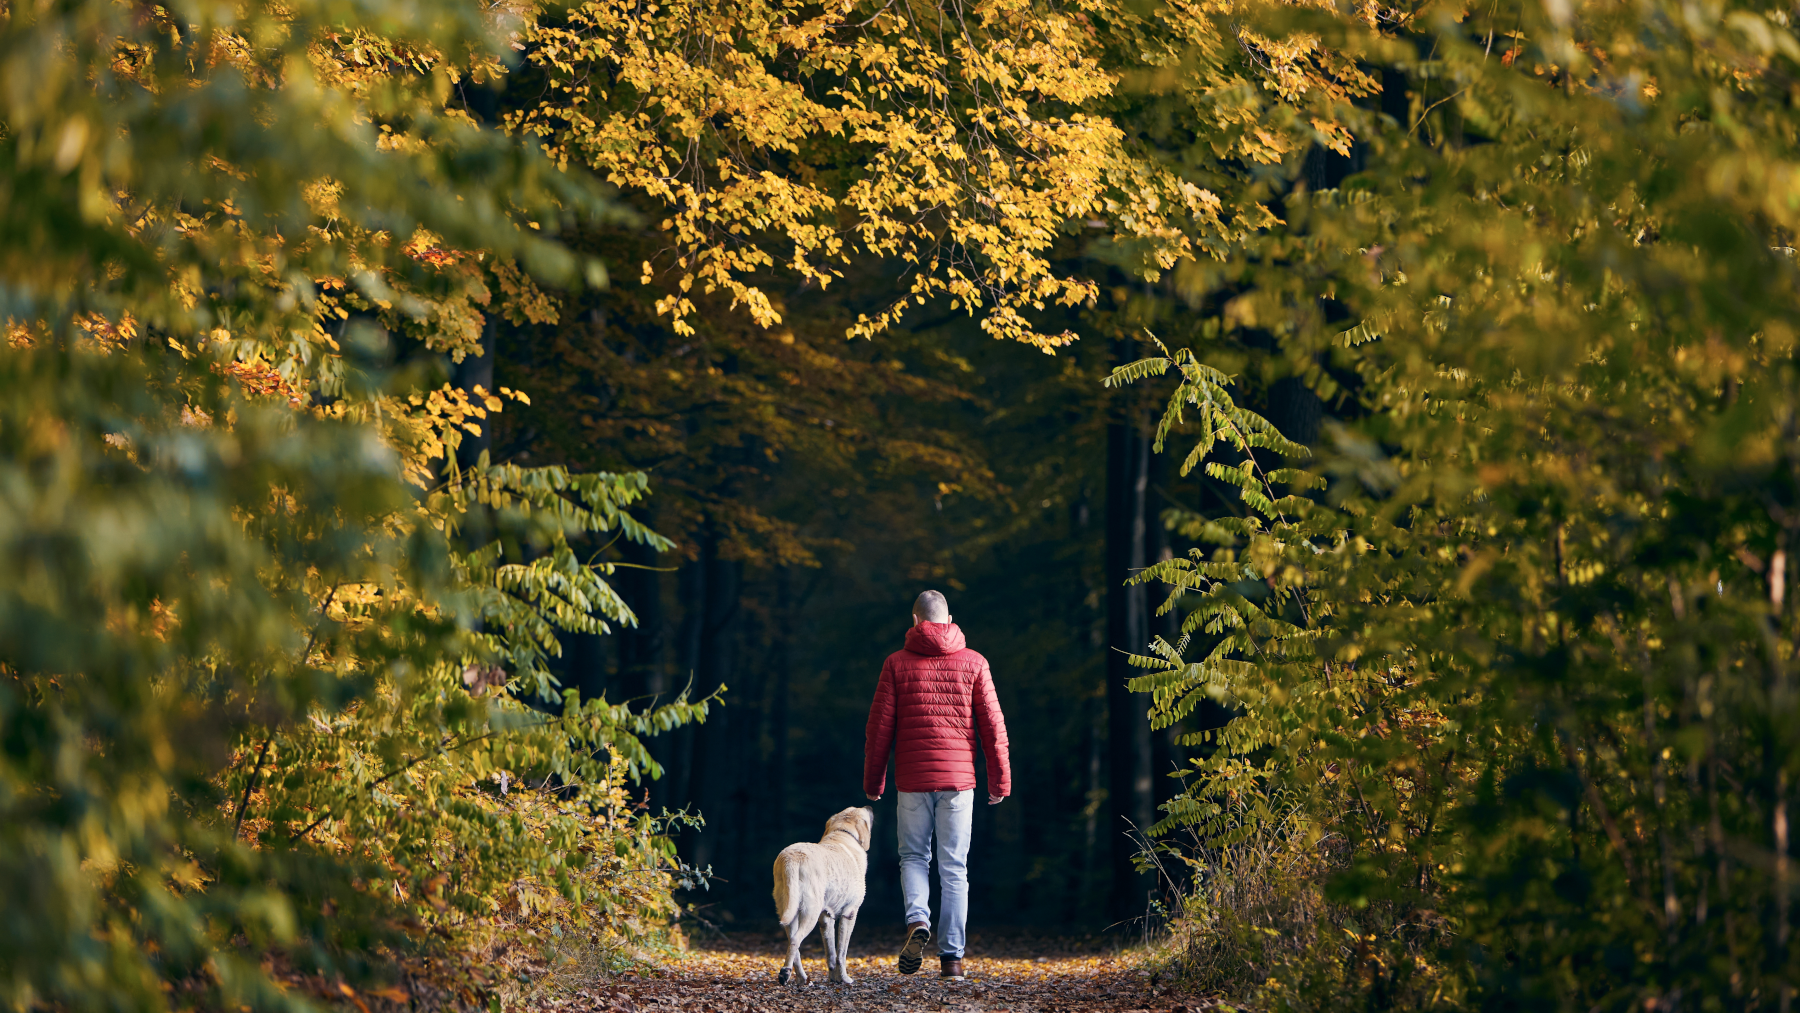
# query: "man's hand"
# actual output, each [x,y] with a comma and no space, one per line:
[996,799]
[872,798]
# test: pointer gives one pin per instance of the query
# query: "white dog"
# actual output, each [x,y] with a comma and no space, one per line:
[824,880]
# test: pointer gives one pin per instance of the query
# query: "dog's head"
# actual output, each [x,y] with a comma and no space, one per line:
[859,821]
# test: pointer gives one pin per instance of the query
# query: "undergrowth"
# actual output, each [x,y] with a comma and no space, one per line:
[1250,920]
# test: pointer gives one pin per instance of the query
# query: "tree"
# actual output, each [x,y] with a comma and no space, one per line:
[258,660]
[1516,645]
[950,139]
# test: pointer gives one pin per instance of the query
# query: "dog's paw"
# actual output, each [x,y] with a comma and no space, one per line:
[782,977]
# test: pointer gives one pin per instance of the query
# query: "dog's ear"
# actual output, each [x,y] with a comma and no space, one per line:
[865,827]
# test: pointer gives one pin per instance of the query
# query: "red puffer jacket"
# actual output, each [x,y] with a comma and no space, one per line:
[933,699]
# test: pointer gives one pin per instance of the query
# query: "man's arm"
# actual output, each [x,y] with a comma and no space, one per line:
[878,737]
[990,725]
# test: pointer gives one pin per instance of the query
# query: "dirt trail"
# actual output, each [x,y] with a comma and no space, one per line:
[1006,974]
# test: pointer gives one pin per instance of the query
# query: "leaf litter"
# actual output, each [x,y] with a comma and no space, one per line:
[1006,973]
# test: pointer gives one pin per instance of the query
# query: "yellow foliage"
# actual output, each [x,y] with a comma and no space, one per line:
[949,140]
[110,334]
[427,427]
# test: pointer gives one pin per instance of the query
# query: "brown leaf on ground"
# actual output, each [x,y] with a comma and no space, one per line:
[1006,974]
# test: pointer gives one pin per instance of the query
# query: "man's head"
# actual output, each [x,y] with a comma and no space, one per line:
[931,608]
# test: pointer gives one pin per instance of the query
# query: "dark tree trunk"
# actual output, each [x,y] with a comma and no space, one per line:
[1096,865]
[1165,753]
[642,648]
[477,371]
[714,779]
[748,776]
[473,371]
[692,587]
[774,787]
[1296,411]
[584,664]
[1127,629]
[586,660]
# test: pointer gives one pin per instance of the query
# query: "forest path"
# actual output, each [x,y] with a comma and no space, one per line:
[1006,974]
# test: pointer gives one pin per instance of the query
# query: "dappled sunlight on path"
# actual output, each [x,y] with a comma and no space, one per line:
[737,975]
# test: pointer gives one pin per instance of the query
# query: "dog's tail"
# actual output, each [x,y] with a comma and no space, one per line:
[787,888]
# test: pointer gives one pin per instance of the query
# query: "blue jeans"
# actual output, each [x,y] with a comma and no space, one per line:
[947,815]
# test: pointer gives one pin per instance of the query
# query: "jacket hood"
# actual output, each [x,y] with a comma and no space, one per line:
[935,638]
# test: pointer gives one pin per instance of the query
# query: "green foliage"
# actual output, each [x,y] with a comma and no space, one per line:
[1251,608]
[267,651]
[173,163]
[1529,650]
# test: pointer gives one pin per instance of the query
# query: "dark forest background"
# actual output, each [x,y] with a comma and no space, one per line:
[814,486]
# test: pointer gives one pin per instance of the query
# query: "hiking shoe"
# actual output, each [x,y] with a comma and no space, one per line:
[950,967]
[912,952]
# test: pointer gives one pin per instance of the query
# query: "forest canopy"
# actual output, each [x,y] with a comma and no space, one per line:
[367,365]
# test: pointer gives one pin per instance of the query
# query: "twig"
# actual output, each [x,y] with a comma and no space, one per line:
[1434,105]
[324,612]
[1600,810]
[250,786]
[390,775]
[263,753]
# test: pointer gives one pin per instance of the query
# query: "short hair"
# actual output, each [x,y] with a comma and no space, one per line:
[932,607]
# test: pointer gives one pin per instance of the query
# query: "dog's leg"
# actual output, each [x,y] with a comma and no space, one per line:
[828,933]
[797,933]
[846,925]
[792,963]
[793,956]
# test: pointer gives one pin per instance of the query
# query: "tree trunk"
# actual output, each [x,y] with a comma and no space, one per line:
[1096,878]
[477,371]
[714,779]
[584,664]
[1127,628]
[692,585]
[775,712]
[748,777]
[642,648]
[1165,753]
[1296,411]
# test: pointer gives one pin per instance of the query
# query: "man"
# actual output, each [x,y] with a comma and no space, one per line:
[934,699]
